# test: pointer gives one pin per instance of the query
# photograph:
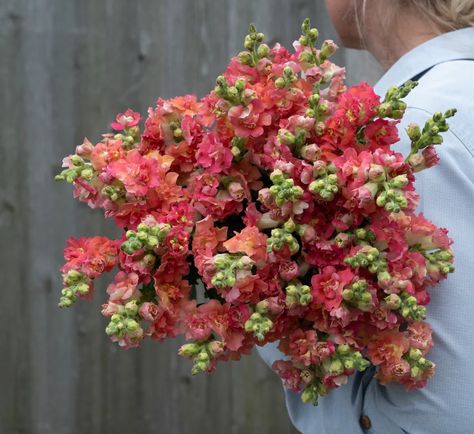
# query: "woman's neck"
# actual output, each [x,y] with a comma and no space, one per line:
[407,31]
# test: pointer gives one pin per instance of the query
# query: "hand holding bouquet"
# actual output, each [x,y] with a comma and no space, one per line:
[271,209]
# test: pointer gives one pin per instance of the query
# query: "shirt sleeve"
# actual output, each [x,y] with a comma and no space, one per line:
[445,405]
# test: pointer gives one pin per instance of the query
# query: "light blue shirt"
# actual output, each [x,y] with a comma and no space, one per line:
[446,405]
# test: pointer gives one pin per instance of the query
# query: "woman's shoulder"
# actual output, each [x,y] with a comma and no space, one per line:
[447,85]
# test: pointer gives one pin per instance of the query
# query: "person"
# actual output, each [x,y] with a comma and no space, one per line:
[431,41]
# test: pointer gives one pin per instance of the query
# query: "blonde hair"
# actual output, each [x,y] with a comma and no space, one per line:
[447,15]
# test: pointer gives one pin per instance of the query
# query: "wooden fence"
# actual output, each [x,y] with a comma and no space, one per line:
[66,67]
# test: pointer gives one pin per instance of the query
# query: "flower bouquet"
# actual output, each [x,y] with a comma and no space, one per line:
[271,209]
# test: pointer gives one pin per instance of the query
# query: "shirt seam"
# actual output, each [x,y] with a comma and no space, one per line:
[471,152]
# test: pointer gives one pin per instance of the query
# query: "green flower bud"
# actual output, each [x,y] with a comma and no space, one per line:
[280,83]
[303,40]
[246,58]
[263,51]
[307,57]
[240,85]
[336,367]
[190,350]
[393,301]
[259,325]
[399,181]
[414,354]
[313,34]
[343,349]
[348,364]
[131,308]
[415,371]
[414,132]
[111,329]
[249,43]
[65,302]
[131,325]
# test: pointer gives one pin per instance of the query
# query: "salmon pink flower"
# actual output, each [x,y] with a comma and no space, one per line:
[419,334]
[137,173]
[105,152]
[290,375]
[124,287]
[358,103]
[207,237]
[149,311]
[177,241]
[250,241]
[289,270]
[212,154]
[91,256]
[304,347]
[186,105]
[126,120]
[328,285]
[249,121]
[165,325]
[388,347]
[381,133]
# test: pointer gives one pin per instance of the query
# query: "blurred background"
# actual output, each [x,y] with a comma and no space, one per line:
[66,68]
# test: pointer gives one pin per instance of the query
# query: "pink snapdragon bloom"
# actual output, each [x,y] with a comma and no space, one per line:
[177,241]
[393,370]
[172,269]
[204,184]
[381,133]
[290,375]
[198,326]
[288,270]
[305,348]
[383,318]
[171,294]
[212,154]
[124,287]
[328,285]
[138,262]
[235,69]
[105,152]
[387,347]
[339,131]
[247,289]
[149,311]
[126,120]
[91,256]
[164,325]
[249,121]
[137,173]
[422,232]
[186,105]
[419,333]
[250,241]
[424,159]
[358,103]
[207,236]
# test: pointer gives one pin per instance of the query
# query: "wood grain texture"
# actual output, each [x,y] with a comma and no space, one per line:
[67,67]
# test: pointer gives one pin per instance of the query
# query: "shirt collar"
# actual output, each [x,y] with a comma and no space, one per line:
[458,44]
